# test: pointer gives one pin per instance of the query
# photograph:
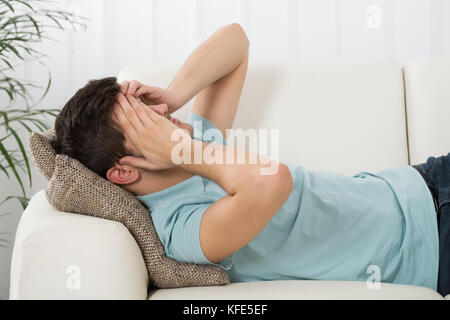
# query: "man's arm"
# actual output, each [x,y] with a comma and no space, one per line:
[253,199]
[215,73]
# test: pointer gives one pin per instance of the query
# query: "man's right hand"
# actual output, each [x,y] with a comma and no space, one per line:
[152,95]
[149,132]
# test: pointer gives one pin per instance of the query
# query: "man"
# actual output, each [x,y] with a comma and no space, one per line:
[292,224]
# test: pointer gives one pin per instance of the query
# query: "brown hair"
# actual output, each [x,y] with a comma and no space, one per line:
[85,130]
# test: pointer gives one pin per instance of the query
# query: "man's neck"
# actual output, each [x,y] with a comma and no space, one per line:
[154,181]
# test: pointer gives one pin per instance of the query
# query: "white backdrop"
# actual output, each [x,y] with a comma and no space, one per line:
[137,31]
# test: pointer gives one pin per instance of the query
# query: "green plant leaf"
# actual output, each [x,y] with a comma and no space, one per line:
[9,92]
[12,166]
[25,125]
[6,3]
[5,116]
[24,153]
[6,137]
[6,199]
[49,82]
[42,126]
[22,200]
[22,25]
[25,4]
[10,47]
[4,170]
[8,63]
[54,20]
[36,25]
[5,243]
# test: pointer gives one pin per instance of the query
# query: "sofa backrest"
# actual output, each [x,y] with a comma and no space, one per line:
[341,115]
[427,85]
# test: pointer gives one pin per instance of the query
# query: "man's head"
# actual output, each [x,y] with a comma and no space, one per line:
[85,130]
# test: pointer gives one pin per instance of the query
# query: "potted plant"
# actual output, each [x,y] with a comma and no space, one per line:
[23,25]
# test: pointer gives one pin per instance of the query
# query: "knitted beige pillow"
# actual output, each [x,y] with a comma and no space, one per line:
[74,188]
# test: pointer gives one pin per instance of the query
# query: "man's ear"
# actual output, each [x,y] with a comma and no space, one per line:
[122,174]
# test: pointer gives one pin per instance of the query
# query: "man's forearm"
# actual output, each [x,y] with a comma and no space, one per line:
[252,199]
[230,174]
[215,58]
[233,169]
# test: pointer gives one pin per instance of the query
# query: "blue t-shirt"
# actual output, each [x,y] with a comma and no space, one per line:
[332,227]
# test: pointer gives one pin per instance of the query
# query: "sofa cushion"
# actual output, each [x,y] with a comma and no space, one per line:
[297,102]
[300,290]
[74,188]
[427,93]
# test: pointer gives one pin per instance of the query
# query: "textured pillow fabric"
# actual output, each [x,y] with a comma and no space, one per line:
[74,188]
[42,152]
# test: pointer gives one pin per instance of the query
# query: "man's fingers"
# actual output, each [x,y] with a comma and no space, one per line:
[129,112]
[143,90]
[152,114]
[134,85]
[122,120]
[140,109]
[124,86]
[145,112]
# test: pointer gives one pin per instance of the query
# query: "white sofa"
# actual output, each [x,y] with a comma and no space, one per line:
[340,115]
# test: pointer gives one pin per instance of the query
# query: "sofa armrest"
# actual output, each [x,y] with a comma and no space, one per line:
[59,255]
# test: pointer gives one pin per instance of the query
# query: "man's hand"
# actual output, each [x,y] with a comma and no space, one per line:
[148,131]
[152,95]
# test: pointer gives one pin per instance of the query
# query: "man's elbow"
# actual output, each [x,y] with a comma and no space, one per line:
[284,178]
[239,31]
[276,186]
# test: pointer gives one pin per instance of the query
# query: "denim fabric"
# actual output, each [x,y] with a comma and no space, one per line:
[437,172]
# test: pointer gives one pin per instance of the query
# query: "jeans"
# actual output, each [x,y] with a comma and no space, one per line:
[436,172]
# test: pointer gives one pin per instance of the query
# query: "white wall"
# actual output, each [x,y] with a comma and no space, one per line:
[135,31]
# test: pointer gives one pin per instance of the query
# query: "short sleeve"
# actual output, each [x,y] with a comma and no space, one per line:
[205,130]
[184,244]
